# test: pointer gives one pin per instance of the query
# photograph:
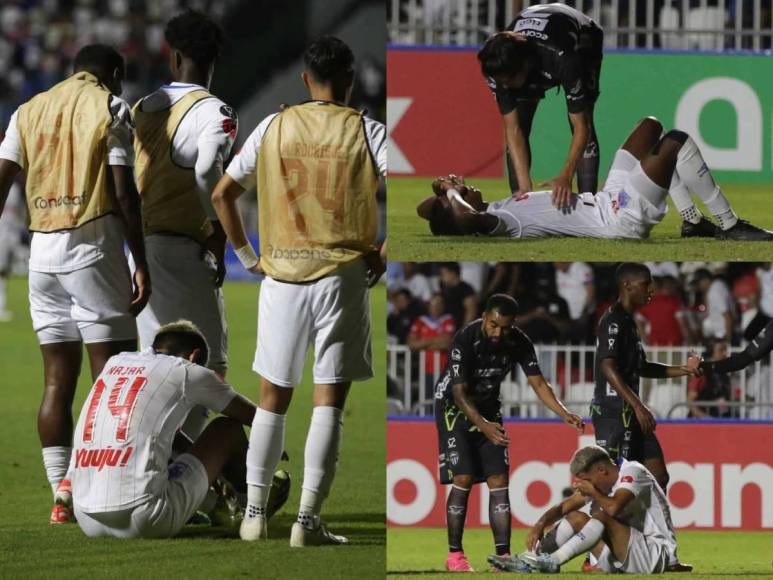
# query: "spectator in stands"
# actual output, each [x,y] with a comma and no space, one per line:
[665,316]
[544,315]
[720,308]
[461,300]
[404,310]
[765,298]
[432,333]
[503,278]
[710,387]
[416,282]
[574,283]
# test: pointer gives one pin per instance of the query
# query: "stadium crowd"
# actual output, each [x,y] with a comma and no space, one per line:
[709,306]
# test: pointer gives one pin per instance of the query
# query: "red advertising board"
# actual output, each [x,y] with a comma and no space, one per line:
[721,474]
[442,118]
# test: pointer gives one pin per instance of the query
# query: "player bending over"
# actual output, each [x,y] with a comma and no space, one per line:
[629,529]
[646,169]
[122,483]
[468,414]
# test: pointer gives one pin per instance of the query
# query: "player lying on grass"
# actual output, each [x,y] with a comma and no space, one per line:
[122,483]
[648,168]
[468,414]
[629,528]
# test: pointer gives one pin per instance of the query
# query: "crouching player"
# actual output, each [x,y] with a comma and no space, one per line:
[122,482]
[629,528]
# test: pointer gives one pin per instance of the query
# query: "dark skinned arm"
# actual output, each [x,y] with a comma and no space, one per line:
[494,432]
[562,183]
[8,172]
[545,393]
[519,152]
[241,409]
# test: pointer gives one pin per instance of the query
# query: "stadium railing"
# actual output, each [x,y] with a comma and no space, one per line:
[673,24]
[569,368]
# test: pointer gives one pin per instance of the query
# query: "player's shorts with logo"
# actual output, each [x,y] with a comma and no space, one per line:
[163,514]
[464,450]
[646,555]
[184,288]
[90,304]
[621,435]
[332,314]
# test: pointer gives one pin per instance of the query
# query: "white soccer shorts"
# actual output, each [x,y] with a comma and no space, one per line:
[183,288]
[333,314]
[89,305]
[162,516]
[645,556]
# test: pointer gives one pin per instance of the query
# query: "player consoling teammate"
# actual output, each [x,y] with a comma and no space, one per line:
[468,414]
[317,166]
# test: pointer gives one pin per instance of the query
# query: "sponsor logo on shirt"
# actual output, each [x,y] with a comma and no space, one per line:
[535,34]
[101,458]
[611,342]
[531,24]
[626,479]
[46,203]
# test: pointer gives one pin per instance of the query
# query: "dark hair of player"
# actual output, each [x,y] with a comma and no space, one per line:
[329,59]
[631,271]
[502,303]
[181,339]
[100,60]
[441,220]
[195,35]
[501,55]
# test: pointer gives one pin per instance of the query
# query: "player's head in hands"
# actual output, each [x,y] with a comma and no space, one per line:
[593,464]
[634,284]
[505,59]
[329,70]
[183,339]
[195,41]
[499,317]
[104,62]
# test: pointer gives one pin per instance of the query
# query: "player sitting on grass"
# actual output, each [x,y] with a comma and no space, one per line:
[646,169]
[629,529]
[122,483]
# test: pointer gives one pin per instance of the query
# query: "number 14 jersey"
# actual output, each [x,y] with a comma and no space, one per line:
[123,439]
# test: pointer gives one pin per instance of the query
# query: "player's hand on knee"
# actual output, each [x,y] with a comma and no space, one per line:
[645,418]
[533,537]
[141,292]
[495,433]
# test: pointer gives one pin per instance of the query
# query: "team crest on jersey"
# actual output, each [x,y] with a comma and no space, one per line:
[453,457]
[613,329]
[228,112]
[456,354]
[623,199]
[626,479]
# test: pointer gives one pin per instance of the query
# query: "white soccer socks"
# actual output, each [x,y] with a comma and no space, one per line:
[581,542]
[694,172]
[266,444]
[682,199]
[56,461]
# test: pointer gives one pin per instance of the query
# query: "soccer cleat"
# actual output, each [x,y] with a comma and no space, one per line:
[62,512]
[457,562]
[589,568]
[254,529]
[301,536]
[279,493]
[539,562]
[494,568]
[199,518]
[705,228]
[744,231]
[508,563]
[679,567]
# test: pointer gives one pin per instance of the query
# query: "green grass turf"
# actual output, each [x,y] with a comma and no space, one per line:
[421,552]
[410,238]
[30,547]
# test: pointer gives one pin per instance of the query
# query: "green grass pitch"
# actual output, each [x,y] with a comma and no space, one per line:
[421,552]
[411,240]
[31,548]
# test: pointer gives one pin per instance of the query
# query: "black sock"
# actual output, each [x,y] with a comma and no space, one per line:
[456,512]
[588,168]
[499,518]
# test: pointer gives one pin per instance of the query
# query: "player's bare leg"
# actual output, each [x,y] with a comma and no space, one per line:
[657,467]
[323,444]
[456,514]
[100,352]
[263,455]
[61,367]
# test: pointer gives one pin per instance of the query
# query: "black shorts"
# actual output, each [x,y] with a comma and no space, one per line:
[622,437]
[464,450]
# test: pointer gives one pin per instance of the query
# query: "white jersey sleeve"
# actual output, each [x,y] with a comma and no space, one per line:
[203,387]
[632,478]
[120,147]
[375,133]
[11,148]
[244,164]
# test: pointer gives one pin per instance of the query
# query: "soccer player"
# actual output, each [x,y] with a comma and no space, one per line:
[468,414]
[123,484]
[544,47]
[183,138]
[317,167]
[629,529]
[632,202]
[760,346]
[623,424]
[75,140]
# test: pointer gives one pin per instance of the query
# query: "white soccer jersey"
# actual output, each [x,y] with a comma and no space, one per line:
[123,439]
[243,167]
[69,250]
[648,511]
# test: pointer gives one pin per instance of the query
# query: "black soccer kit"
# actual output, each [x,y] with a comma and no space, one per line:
[617,429]
[566,51]
[481,365]
[761,345]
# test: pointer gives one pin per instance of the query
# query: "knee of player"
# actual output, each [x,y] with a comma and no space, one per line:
[497,481]
[651,123]
[663,480]
[463,481]
[577,519]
